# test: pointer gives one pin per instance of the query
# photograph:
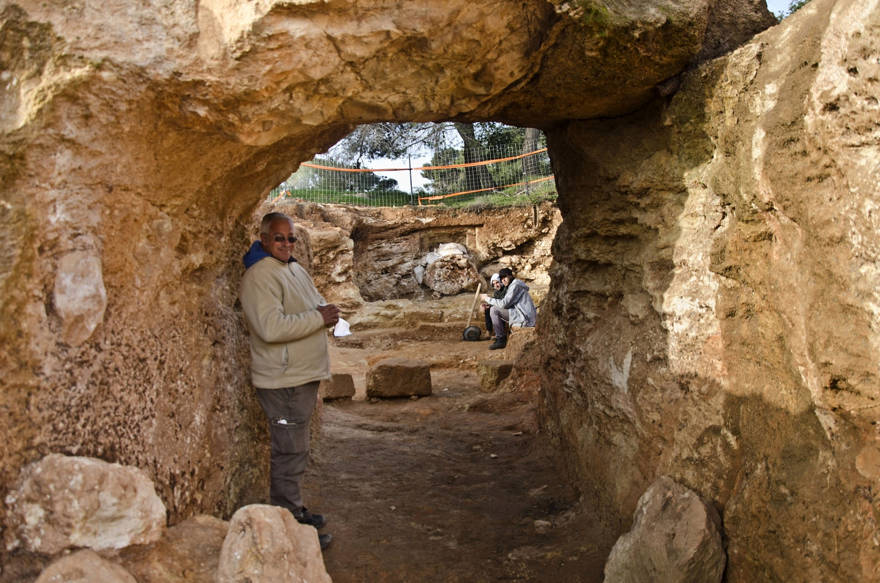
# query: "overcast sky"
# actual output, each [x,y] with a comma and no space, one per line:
[777,6]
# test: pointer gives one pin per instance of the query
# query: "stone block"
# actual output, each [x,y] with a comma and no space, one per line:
[675,538]
[63,502]
[492,372]
[399,377]
[266,544]
[338,386]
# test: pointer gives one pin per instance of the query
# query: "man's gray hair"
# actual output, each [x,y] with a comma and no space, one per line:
[271,218]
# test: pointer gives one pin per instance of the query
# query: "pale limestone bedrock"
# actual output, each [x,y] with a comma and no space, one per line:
[675,538]
[713,313]
[62,502]
[79,297]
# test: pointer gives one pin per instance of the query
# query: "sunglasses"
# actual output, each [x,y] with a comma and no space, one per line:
[280,239]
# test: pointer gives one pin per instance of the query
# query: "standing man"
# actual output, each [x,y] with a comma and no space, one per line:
[287,320]
[516,307]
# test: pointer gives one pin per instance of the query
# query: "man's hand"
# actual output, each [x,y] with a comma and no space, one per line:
[484,297]
[330,313]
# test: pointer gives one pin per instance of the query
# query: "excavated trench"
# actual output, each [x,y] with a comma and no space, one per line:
[458,486]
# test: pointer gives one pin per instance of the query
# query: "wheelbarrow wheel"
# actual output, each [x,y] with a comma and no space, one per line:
[471,333]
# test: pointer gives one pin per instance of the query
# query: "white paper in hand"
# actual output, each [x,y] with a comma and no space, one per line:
[342,328]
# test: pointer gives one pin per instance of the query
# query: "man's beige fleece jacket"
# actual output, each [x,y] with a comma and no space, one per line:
[288,336]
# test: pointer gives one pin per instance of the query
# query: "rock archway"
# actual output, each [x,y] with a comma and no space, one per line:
[138,138]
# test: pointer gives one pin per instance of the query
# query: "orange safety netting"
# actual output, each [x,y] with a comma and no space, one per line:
[445,167]
[463,192]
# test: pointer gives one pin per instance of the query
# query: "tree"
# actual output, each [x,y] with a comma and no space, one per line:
[530,143]
[451,143]
[793,6]
[476,177]
[388,140]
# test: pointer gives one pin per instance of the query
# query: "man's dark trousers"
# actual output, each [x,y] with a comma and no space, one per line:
[289,411]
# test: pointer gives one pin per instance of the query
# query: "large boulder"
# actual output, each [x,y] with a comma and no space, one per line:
[62,502]
[266,544]
[451,274]
[675,538]
[84,566]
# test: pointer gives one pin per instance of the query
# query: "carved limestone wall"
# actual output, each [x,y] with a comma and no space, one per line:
[716,284]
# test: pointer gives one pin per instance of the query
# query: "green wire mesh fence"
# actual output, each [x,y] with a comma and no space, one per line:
[499,176]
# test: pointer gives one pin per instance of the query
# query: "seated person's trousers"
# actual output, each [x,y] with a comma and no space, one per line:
[500,318]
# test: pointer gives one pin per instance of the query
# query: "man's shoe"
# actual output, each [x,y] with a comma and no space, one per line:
[324,540]
[306,517]
[499,343]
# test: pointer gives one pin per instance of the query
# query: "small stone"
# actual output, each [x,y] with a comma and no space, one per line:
[542,526]
[266,544]
[338,386]
[399,377]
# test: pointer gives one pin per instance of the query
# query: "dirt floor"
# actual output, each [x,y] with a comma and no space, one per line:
[455,487]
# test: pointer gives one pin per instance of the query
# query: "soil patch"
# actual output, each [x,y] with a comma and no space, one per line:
[455,487]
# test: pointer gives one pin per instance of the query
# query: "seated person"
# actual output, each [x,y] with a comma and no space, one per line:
[500,290]
[516,307]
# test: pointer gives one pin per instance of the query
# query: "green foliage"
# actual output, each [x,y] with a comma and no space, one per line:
[497,183]
[451,180]
[596,15]
[359,188]
[793,6]
[509,197]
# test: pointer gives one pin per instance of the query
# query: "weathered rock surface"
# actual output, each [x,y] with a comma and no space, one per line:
[266,544]
[712,316]
[390,246]
[492,372]
[451,275]
[62,502]
[518,339]
[188,552]
[84,567]
[675,538]
[399,377]
[338,386]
